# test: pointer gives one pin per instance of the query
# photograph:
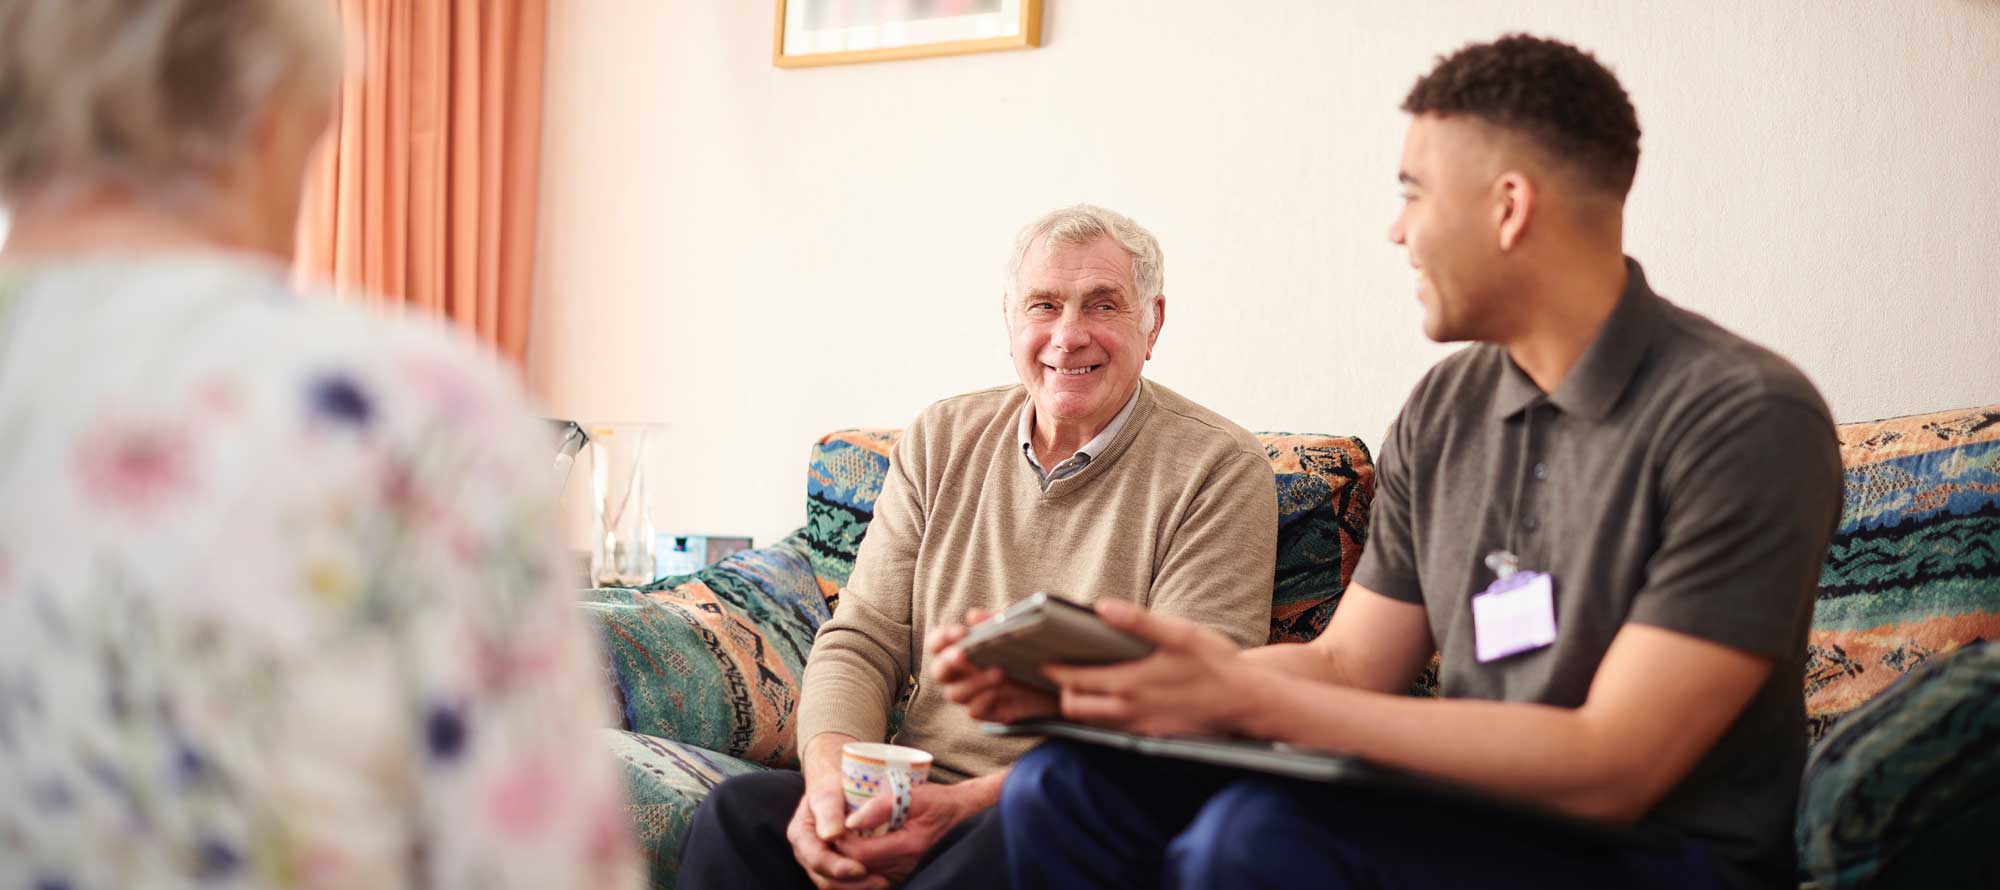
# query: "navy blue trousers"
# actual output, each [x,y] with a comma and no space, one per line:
[1079,816]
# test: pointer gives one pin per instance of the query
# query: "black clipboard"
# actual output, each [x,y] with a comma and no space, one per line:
[1311,765]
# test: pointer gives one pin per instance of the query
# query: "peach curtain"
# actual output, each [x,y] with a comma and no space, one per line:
[426,193]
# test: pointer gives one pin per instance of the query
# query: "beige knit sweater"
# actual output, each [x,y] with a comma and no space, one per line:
[1179,514]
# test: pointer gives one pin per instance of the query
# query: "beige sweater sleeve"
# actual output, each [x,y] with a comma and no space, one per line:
[862,654]
[1219,565]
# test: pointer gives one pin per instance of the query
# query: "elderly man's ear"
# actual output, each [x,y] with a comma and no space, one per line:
[1159,321]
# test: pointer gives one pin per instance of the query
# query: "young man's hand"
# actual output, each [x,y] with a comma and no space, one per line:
[986,692]
[1194,683]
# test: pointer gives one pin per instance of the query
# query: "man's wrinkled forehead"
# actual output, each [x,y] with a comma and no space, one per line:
[1110,290]
[1104,269]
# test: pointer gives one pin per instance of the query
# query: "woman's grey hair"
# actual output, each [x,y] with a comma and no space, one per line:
[1083,223]
[145,93]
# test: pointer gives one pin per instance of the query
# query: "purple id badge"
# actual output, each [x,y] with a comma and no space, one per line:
[1514,614]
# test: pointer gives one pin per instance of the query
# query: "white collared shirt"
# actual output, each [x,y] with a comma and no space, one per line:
[1083,456]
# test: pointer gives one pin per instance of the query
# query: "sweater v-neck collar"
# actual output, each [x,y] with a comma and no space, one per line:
[1147,400]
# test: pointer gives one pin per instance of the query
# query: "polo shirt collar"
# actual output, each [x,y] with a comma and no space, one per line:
[1516,391]
[1594,384]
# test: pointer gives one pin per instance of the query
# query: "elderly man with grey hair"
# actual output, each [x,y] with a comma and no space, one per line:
[1084,480]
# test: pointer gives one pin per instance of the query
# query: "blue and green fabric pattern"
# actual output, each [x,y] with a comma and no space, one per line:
[1916,763]
[1914,567]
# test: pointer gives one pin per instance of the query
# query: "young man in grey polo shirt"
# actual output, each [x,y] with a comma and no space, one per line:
[1608,515]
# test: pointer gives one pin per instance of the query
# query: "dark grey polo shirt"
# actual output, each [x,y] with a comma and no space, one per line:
[1680,477]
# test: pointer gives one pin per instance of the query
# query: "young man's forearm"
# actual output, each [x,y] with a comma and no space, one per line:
[1636,735]
[1380,645]
[1300,660]
[1549,755]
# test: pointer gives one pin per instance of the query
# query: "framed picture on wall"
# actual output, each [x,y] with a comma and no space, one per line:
[837,32]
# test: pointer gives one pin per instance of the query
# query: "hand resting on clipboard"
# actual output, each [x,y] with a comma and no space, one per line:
[1311,765]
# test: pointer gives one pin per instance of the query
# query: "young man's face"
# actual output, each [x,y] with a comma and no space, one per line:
[1449,225]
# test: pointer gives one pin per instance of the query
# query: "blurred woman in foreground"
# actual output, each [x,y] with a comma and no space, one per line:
[279,596]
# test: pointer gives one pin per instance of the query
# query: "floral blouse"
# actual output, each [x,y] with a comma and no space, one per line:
[280,603]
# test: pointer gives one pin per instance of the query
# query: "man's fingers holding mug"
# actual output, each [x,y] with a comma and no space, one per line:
[866,882]
[872,815]
[829,812]
[827,868]
[821,862]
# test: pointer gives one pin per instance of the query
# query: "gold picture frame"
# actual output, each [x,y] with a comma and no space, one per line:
[841,32]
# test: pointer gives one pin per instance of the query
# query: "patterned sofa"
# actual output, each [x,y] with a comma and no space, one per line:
[707,664]
[1903,662]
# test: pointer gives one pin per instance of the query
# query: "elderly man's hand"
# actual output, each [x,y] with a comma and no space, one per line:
[1194,683]
[934,810]
[986,692]
[821,820]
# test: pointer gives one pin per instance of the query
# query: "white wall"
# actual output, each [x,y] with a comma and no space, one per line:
[761,255]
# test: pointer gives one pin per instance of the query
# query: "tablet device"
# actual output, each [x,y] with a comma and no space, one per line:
[1313,765]
[1046,629]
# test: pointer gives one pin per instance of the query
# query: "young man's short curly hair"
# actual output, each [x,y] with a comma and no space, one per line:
[1559,96]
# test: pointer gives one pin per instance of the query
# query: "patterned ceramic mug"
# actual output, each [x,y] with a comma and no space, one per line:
[871,768]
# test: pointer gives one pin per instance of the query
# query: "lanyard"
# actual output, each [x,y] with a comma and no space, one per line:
[1506,561]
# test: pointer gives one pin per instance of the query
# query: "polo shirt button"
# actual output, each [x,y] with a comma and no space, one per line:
[1532,523]
[1541,470]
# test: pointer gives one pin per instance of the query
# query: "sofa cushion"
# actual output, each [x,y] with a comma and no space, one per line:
[1325,486]
[1915,759]
[1324,483]
[1914,567]
[842,481]
[666,781]
[714,658]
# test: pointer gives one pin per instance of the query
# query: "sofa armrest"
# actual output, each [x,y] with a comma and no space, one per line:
[713,658]
[1915,761]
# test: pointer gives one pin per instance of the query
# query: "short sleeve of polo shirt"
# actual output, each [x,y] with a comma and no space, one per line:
[1388,563]
[1752,492]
